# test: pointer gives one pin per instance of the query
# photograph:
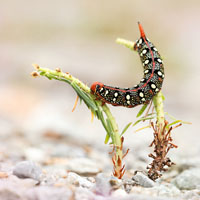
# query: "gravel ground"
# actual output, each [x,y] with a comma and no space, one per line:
[55,165]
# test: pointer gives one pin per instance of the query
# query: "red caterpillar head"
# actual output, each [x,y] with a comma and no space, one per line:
[95,87]
[142,37]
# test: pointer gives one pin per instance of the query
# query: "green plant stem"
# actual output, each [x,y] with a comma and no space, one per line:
[114,133]
[158,104]
[59,75]
[116,136]
[127,43]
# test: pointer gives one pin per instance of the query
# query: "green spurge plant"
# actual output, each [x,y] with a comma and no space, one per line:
[162,129]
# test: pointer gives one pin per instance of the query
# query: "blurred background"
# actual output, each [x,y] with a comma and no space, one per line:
[78,36]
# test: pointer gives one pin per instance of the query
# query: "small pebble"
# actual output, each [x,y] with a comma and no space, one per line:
[8,193]
[35,154]
[27,169]
[103,186]
[77,180]
[143,180]
[3,175]
[167,190]
[188,179]
[128,184]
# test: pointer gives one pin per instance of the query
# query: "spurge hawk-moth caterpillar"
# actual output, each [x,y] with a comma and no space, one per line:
[149,85]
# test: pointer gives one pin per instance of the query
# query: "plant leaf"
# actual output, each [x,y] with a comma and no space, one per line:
[163,97]
[142,110]
[107,138]
[126,127]
[142,128]
[176,122]
[86,98]
[143,119]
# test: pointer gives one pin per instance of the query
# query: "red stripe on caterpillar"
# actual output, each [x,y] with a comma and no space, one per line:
[150,84]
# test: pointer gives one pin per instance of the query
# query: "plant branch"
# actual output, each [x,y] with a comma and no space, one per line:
[97,108]
[158,105]
[127,43]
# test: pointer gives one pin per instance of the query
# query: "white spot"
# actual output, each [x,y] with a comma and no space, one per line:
[155,49]
[135,86]
[157,90]
[146,62]
[153,86]
[128,102]
[142,80]
[116,94]
[141,94]
[143,99]
[106,93]
[101,89]
[114,99]
[140,41]
[160,61]
[163,76]
[159,73]
[146,71]
[128,96]
[144,51]
[141,54]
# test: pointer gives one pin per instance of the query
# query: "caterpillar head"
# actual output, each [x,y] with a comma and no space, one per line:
[139,42]
[95,87]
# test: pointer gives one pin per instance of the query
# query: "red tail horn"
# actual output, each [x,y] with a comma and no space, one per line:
[141,30]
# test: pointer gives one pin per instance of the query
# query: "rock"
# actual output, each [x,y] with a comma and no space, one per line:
[53,176]
[115,183]
[167,190]
[187,162]
[83,166]
[143,180]
[128,184]
[3,175]
[12,187]
[188,179]
[193,195]
[103,186]
[9,193]
[27,169]
[91,179]
[35,154]
[163,190]
[77,180]
[47,192]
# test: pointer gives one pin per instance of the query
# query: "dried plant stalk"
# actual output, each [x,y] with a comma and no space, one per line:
[162,145]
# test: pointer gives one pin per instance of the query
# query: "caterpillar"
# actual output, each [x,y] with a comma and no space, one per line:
[149,85]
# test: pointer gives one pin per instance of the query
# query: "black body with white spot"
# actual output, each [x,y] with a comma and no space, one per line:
[149,85]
